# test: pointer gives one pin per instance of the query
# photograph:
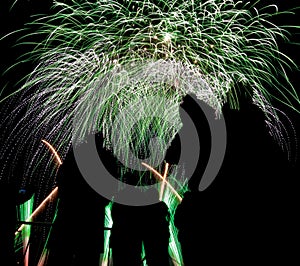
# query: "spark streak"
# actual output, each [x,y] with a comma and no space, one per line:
[55,153]
[163,179]
[163,183]
[50,197]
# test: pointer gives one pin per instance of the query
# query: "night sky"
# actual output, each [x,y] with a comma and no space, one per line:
[248,213]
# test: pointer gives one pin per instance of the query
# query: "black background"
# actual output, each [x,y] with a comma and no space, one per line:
[249,211]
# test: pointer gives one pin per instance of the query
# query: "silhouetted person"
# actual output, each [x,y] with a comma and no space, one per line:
[134,226]
[7,224]
[244,215]
[78,234]
[137,225]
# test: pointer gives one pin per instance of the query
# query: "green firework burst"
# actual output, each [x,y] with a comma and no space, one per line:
[96,58]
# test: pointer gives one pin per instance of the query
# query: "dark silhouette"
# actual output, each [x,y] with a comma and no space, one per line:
[246,214]
[188,218]
[7,224]
[78,233]
[137,225]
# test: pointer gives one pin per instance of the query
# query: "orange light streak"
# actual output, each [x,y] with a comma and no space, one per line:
[55,153]
[51,196]
[165,181]
[162,188]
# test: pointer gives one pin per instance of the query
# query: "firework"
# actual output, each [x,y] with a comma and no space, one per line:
[110,65]
[96,58]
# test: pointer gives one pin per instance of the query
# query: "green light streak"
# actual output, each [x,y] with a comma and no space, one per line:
[23,213]
[172,202]
[45,252]
[108,222]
